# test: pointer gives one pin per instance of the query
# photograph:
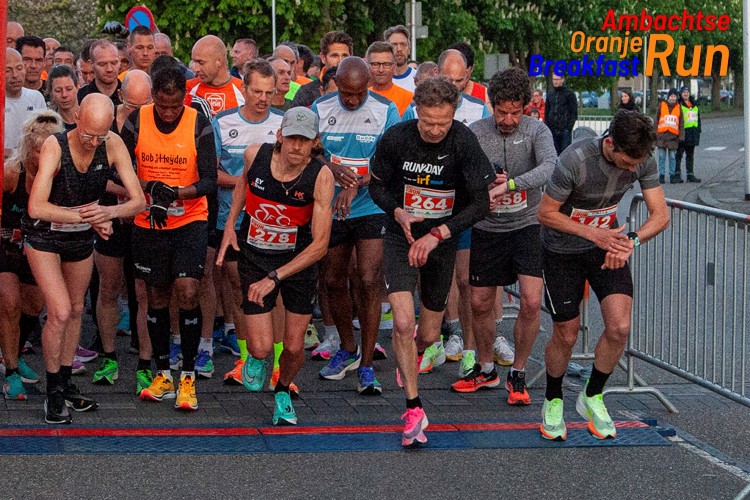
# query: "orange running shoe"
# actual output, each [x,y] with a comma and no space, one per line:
[476,380]
[234,377]
[516,387]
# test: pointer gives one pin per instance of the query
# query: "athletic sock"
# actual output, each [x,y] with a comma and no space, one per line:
[54,380]
[65,373]
[27,324]
[596,382]
[158,332]
[281,388]
[278,347]
[144,364]
[9,372]
[514,372]
[331,330]
[191,324]
[488,368]
[243,349]
[206,345]
[453,327]
[111,355]
[413,403]
[228,327]
[554,387]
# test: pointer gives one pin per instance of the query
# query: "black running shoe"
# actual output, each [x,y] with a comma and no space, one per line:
[77,401]
[55,411]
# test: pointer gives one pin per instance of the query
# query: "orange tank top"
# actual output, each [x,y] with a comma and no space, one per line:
[173,159]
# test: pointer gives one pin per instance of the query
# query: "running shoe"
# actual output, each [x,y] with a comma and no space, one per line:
[342,362]
[516,387]
[186,398]
[204,364]
[284,413]
[13,388]
[293,389]
[476,380]
[253,374]
[386,320]
[77,368]
[175,356]
[468,360]
[355,324]
[503,351]
[162,387]
[311,337]
[234,377]
[229,344]
[55,409]
[85,355]
[108,373]
[416,423]
[78,401]
[218,332]
[379,353]
[143,380]
[454,348]
[592,409]
[426,363]
[327,348]
[553,425]
[28,376]
[367,383]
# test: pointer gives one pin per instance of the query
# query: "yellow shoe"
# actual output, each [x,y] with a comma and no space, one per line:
[161,388]
[234,377]
[186,398]
[293,389]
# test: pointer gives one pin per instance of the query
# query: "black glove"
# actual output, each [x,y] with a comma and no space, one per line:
[162,196]
[115,28]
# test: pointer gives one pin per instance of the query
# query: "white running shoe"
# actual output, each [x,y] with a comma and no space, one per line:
[504,354]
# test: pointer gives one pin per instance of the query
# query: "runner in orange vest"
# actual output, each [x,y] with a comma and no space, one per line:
[670,130]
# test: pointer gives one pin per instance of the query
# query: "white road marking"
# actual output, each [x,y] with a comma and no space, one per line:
[732,469]
[716,148]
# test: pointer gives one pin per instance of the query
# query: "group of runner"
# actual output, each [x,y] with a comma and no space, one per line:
[380,183]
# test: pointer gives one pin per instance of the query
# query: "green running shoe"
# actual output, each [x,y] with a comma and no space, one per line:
[468,360]
[284,413]
[28,376]
[253,374]
[143,380]
[553,425]
[108,373]
[13,387]
[592,409]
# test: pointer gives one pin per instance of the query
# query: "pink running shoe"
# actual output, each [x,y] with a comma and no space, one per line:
[84,355]
[78,368]
[416,423]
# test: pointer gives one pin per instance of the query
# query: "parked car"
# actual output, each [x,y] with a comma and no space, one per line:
[589,99]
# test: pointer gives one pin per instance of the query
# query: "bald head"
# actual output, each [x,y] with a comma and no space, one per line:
[452,65]
[353,72]
[14,32]
[289,56]
[209,57]
[95,115]
[14,73]
[212,46]
[136,87]
[162,45]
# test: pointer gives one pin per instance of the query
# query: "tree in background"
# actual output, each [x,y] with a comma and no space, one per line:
[69,21]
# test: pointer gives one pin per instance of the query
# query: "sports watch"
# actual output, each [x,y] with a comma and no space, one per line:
[274,277]
[634,236]
[437,234]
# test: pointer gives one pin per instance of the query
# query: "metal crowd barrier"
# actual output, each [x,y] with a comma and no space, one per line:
[598,124]
[691,304]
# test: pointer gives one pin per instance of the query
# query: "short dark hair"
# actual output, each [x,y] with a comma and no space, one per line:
[399,28]
[466,50]
[166,76]
[262,67]
[86,49]
[510,84]
[120,44]
[379,48]
[336,36]
[62,71]
[30,41]
[632,133]
[139,31]
[436,91]
[328,76]
[63,48]
[307,56]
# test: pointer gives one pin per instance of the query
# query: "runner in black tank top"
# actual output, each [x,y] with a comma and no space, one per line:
[62,216]
[287,196]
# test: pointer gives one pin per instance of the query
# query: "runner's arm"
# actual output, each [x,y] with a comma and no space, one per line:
[205,145]
[39,206]
[478,207]
[658,214]
[546,158]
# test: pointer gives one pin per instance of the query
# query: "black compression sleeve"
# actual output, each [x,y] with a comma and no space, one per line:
[475,211]
[207,173]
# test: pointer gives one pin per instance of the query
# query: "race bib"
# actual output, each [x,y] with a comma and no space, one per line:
[511,202]
[270,237]
[602,217]
[428,203]
[77,227]
[360,166]
[176,208]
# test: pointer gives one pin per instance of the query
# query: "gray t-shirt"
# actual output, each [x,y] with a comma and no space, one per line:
[528,155]
[17,111]
[589,188]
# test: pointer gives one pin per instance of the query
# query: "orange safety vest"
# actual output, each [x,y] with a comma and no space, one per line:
[669,121]
[172,159]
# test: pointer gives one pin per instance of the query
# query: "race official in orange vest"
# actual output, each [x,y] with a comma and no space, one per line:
[175,156]
[670,130]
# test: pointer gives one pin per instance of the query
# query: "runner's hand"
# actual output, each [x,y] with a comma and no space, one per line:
[499,179]
[258,290]
[342,205]
[95,214]
[343,175]
[161,194]
[421,249]
[616,260]
[157,216]
[104,229]
[496,193]
[229,239]
[405,220]
[611,240]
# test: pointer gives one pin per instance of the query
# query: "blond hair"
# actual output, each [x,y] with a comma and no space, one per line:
[35,130]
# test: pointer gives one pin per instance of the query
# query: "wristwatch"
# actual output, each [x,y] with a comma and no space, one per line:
[274,277]
[437,234]
[634,236]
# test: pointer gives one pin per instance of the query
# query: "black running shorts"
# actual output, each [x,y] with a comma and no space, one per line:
[161,256]
[369,227]
[297,291]
[497,259]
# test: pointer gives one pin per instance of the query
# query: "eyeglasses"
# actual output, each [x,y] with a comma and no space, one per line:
[383,65]
[257,93]
[101,138]
[130,105]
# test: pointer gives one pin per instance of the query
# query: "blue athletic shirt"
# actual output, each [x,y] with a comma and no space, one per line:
[470,109]
[349,138]
[233,134]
